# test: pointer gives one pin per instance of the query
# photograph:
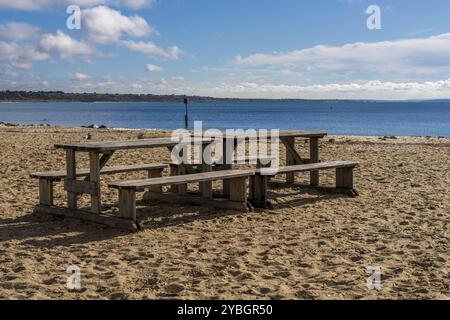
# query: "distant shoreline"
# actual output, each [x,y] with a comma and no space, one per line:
[60,96]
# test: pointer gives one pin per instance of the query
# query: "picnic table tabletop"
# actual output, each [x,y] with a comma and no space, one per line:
[102,146]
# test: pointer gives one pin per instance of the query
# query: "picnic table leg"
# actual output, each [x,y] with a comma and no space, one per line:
[238,189]
[71,175]
[127,204]
[46,191]
[94,161]
[155,173]
[314,155]
[290,157]
[258,190]
[227,155]
[206,187]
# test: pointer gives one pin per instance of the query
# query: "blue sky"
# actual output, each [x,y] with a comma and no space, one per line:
[229,48]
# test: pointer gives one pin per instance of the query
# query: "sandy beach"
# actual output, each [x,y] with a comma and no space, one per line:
[310,246]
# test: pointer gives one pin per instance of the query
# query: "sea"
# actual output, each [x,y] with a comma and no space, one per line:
[362,118]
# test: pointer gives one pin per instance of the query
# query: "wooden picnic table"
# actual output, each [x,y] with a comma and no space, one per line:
[101,152]
[288,139]
[99,155]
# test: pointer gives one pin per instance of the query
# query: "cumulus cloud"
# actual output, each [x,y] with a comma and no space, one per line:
[419,56]
[17,31]
[153,68]
[63,45]
[79,77]
[106,25]
[150,48]
[20,55]
[353,90]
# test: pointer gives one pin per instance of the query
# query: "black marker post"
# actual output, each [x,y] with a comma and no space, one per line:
[186,119]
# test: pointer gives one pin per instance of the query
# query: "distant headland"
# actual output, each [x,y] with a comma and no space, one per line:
[60,96]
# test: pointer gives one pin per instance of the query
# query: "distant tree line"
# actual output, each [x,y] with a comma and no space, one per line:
[92,97]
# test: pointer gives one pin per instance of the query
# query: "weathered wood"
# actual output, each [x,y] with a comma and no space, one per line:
[101,163]
[140,185]
[106,146]
[196,200]
[46,191]
[258,188]
[81,187]
[344,178]
[105,219]
[174,171]
[71,175]
[155,173]
[205,187]
[315,166]
[94,163]
[314,154]
[292,156]
[238,189]
[227,155]
[127,204]
[61,174]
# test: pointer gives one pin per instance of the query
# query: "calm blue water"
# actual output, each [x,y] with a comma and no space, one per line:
[431,118]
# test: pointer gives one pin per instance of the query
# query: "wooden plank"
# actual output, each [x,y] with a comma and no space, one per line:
[292,157]
[197,200]
[227,155]
[238,189]
[71,175]
[61,174]
[106,146]
[94,162]
[46,191]
[127,204]
[105,219]
[81,187]
[315,166]
[258,189]
[344,178]
[177,180]
[205,187]
[314,154]
[155,173]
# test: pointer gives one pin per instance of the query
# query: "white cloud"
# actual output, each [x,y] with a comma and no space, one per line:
[24,4]
[64,45]
[352,90]
[106,25]
[150,48]
[19,55]
[31,5]
[79,77]
[414,56]
[17,31]
[153,68]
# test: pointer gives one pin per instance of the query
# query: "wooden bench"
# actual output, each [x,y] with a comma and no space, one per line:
[237,178]
[344,178]
[47,179]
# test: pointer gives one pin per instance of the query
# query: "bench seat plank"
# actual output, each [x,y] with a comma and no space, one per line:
[183,179]
[313,167]
[61,174]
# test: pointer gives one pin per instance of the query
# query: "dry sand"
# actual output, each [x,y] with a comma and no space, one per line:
[312,246]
